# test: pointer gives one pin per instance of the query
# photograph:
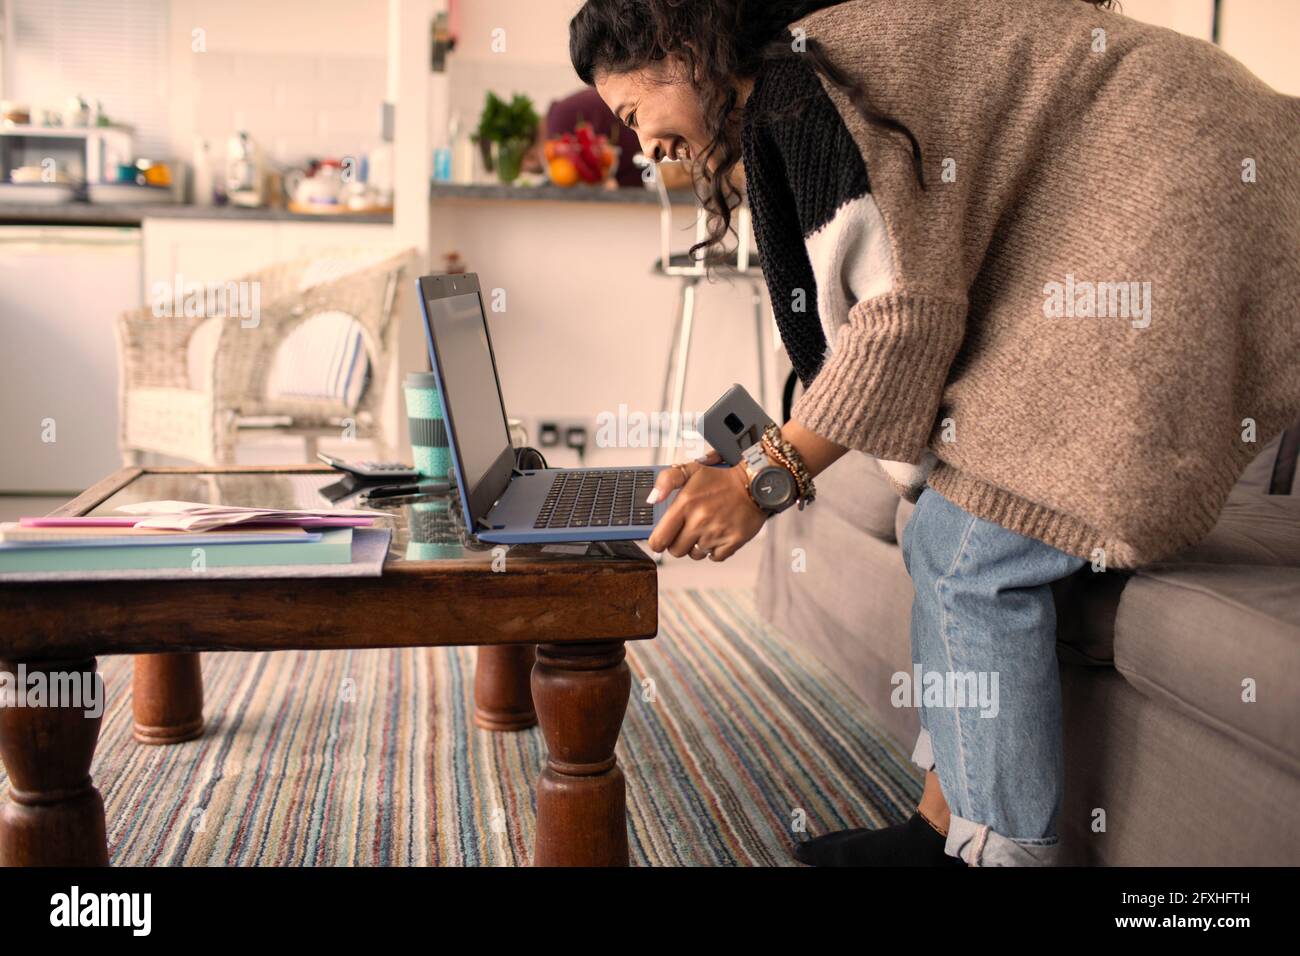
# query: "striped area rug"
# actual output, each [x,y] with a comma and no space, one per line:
[733,738]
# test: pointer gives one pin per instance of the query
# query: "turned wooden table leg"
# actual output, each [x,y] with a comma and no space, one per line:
[54,815]
[581,691]
[167,698]
[503,694]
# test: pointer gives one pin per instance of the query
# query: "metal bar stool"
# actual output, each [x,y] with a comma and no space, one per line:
[689,270]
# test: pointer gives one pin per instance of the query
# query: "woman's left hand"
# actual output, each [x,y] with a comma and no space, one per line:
[712,515]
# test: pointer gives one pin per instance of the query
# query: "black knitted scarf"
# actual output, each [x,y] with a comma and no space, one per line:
[801,165]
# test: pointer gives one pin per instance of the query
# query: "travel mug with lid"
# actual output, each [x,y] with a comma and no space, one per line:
[428,426]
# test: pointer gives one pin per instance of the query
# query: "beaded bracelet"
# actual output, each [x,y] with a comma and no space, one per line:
[777,448]
[777,442]
[777,456]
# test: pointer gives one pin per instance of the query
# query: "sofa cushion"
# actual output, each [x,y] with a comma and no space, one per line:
[1253,528]
[855,489]
[1176,791]
[1191,635]
[1258,475]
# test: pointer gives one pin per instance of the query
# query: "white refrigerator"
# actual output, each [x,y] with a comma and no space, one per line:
[61,288]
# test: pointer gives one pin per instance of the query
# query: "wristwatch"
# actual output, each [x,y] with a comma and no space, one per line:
[771,486]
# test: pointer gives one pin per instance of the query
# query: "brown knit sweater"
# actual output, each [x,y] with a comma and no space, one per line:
[1052,165]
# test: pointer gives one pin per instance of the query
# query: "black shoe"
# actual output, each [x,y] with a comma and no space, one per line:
[914,843]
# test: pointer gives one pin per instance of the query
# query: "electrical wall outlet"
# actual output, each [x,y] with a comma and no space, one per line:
[577,437]
[554,431]
[548,434]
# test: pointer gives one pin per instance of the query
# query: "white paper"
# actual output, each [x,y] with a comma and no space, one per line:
[197,516]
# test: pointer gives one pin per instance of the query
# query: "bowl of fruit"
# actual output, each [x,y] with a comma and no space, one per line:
[583,156]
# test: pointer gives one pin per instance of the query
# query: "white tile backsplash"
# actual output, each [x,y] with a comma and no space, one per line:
[295,106]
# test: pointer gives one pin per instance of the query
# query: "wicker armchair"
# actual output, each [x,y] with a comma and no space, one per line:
[187,396]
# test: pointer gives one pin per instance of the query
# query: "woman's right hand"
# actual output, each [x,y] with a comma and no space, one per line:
[712,515]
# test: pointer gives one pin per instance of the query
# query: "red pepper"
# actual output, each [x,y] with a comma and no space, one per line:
[589,171]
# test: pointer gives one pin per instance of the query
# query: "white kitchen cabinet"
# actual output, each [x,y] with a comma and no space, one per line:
[204,250]
[212,250]
[61,290]
[297,239]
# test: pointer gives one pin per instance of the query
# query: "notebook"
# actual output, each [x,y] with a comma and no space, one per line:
[13,534]
[333,547]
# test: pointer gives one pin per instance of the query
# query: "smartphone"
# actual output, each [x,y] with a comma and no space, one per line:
[733,423]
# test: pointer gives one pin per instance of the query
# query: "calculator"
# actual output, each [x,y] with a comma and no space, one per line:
[371,470]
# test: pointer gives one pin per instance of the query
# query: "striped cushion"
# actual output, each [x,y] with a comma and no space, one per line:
[324,358]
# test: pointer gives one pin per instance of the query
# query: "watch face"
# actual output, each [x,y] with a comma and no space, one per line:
[773,487]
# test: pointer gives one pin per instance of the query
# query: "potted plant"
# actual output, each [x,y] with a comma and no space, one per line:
[505,132]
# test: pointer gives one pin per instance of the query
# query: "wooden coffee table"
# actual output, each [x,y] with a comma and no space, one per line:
[549,624]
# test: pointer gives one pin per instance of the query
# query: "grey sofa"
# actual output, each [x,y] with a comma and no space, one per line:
[1153,664]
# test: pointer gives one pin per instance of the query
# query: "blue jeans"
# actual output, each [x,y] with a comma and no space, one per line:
[984,660]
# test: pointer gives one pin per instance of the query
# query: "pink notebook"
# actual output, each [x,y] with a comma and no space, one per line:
[111,522]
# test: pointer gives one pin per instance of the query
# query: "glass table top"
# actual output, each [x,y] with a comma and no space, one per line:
[425,527]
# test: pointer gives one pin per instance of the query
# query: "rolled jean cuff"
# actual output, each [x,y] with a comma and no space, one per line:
[923,752]
[977,845]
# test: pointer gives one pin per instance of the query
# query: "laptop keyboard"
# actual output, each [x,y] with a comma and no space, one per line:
[597,499]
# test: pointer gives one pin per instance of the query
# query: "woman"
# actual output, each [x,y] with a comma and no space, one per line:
[1040,260]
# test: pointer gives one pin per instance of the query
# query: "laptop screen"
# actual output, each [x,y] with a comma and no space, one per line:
[477,425]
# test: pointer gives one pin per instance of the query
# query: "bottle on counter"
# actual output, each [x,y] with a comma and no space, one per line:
[244,176]
[203,194]
[464,154]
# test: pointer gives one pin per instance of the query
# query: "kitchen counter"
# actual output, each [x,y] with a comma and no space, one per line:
[121,214]
[548,192]
[128,214]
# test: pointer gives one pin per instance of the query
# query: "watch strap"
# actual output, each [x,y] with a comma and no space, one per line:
[755,457]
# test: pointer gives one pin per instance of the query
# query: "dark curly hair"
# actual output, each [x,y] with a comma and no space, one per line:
[719,41]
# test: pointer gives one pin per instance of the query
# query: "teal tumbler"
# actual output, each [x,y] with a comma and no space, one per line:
[428,426]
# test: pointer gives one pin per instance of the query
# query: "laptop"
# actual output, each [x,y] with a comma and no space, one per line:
[501,503]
